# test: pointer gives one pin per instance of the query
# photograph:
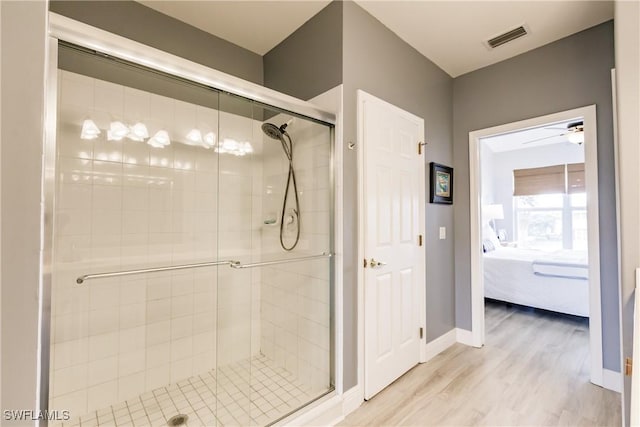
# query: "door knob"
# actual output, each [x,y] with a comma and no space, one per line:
[373,263]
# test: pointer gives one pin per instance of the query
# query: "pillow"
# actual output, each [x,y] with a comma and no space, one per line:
[487,245]
[490,235]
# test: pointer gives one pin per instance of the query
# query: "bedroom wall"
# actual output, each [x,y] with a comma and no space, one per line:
[487,173]
[504,163]
[569,73]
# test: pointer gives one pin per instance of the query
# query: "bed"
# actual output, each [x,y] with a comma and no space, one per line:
[556,281]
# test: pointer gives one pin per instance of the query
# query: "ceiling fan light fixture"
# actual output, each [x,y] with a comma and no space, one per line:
[575,133]
[576,137]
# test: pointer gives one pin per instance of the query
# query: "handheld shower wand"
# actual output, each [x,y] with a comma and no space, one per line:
[280,133]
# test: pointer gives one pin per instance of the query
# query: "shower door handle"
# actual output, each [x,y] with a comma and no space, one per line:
[376,264]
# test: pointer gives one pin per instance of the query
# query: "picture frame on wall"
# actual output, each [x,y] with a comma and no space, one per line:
[441,188]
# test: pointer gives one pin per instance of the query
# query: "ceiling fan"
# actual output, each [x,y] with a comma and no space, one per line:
[574,133]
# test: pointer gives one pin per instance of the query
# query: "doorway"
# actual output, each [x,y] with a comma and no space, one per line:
[391,285]
[483,212]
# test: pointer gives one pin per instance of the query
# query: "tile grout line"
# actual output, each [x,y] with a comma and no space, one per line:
[266,393]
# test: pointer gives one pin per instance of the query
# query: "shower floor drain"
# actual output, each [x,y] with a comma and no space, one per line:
[177,420]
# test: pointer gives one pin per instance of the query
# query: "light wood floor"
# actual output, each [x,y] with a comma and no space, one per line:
[533,370]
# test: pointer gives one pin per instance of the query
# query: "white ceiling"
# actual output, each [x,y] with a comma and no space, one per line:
[451,33]
[257,26]
[550,134]
[448,32]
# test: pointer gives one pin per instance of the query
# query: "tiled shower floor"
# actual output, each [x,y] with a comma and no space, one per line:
[210,400]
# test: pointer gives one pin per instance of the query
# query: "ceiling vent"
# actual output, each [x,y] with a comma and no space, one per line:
[507,37]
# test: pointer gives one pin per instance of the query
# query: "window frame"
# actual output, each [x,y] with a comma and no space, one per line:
[566,210]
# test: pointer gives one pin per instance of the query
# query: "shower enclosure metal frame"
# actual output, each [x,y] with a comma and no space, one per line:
[63,29]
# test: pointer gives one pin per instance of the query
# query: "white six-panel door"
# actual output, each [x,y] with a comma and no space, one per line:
[393,215]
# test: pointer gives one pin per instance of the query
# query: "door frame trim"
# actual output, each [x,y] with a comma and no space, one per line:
[361,97]
[588,113]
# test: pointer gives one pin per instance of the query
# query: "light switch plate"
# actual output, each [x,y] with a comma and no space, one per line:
[443,233]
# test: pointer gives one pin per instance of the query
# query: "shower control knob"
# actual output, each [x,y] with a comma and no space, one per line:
[375,264]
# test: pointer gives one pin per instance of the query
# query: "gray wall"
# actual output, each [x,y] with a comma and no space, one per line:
[309,61]
[23,28]
[569,73]
[374,59]
[145,25]
[380,63]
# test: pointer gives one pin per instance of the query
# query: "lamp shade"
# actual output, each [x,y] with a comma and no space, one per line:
[160,139]
[89,130]
[117,131]
[194,137]
[495,211]
[138,132]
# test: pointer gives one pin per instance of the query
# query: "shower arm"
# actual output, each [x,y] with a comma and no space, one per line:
[234,264]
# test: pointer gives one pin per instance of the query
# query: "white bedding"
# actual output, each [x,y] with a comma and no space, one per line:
[555,281]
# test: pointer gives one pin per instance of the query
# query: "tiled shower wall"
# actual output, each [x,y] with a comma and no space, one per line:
[123,205]
[295,297]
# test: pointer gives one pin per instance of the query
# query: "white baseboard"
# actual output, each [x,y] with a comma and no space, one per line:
[612,380]
[464,337]
[440,344]
[352,399]
[327,411]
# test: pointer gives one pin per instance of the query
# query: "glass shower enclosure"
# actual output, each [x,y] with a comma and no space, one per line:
[191,276]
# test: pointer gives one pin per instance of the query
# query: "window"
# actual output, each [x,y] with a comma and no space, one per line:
[550,206]
[539,221]
[579,221]
[551,222]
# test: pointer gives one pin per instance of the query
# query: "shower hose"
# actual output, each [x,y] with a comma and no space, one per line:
[287,146]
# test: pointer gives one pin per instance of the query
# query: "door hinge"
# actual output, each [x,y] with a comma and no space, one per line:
[628,366]
[420,144]
[419,239]
[421,332]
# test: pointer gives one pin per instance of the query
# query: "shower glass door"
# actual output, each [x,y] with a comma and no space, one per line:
[294,220]
[191,276]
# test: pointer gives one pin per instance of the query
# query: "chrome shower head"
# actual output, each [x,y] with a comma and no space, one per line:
[272,131]
[275,132]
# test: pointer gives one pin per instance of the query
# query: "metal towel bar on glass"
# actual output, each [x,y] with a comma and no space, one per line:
[234,264]
[80,280]
[282,261]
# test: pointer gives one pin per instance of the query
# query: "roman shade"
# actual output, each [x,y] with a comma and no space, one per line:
[534,181]
[549,180]
[575,178]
